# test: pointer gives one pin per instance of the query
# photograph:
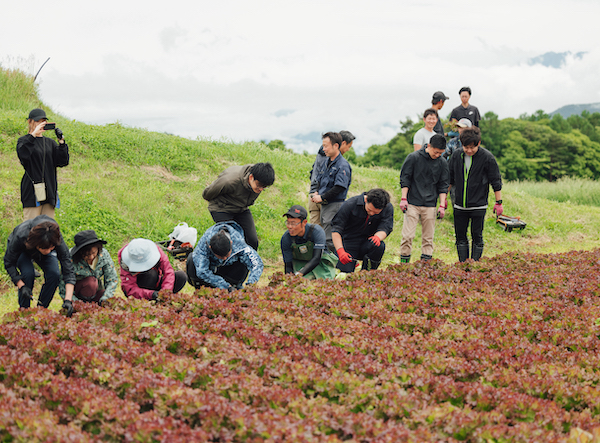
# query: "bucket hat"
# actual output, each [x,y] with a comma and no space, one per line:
[140,255]
[84,238]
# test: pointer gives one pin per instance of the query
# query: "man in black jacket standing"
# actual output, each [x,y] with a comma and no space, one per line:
[472,170]
[423,178]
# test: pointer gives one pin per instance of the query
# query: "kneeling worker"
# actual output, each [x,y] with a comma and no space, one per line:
[359,228]
[222,259]
[303,247]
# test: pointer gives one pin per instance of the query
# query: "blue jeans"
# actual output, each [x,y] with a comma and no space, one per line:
[49,265]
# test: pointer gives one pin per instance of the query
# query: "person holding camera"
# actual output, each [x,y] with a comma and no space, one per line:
[40,156]
[39,240]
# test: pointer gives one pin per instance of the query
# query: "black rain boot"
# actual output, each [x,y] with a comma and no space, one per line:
[369,265]
[426,257]
[463,251]
[476,251]
[405,259]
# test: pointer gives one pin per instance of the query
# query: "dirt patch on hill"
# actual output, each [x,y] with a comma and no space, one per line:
[162,173]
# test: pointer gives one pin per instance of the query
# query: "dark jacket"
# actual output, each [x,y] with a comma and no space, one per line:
[318,165]
[231,191]
[426,178]
[16,246]
[40,156]
[353,222]
[473,190]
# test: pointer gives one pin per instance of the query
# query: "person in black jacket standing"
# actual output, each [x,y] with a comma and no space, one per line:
[472,170]
[40,156]
[423,179]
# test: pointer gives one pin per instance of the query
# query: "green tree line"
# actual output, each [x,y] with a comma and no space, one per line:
[533,147]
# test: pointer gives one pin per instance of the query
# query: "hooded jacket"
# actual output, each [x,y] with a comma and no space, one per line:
[231,191]
[129,281]
[426,178]
[207,263]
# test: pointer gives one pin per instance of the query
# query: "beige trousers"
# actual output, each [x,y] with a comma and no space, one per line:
[409,229]
[33,212]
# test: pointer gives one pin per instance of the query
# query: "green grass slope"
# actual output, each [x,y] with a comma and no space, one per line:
[130,182]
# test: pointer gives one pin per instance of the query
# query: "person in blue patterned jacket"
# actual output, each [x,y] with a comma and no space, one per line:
[223,259]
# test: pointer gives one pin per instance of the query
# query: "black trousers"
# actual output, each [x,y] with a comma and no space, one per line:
[245,220]
[151,280]
[234,274]
[358,248]
[461,223]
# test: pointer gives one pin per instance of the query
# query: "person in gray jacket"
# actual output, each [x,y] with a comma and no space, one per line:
[234,191]
[423,179]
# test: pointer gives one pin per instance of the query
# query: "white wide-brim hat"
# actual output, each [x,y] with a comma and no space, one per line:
[140,255]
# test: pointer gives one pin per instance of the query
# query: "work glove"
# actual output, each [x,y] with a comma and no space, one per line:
[404,204]
[25,294]
[375,240]
[498,209]
[230,289]
[442,211]
[344,257]
[59,133]
[68,307]
[154,296]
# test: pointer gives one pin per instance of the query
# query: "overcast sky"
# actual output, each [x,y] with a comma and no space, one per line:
[263,70]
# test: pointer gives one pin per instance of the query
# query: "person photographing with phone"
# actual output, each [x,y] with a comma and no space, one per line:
[40,156]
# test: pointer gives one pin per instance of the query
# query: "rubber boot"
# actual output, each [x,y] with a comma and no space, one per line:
[405,259]
[476,251]
[463,251]
[426,257]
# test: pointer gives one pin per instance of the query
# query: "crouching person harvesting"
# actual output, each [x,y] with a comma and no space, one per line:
[39,239]
[472,170]
[223,259]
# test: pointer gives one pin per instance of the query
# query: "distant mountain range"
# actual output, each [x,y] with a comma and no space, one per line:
[568,110]
[554,59]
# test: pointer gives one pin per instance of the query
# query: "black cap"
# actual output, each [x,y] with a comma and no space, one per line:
[439,95]
[85,238]
[37,114]
[296,211]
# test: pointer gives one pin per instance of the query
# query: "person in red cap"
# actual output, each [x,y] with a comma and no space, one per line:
[40,156]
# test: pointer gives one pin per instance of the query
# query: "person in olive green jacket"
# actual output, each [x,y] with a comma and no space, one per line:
[234,191]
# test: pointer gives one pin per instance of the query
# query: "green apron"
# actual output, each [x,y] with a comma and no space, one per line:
[302,253]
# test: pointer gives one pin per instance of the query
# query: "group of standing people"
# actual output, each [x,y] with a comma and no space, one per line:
[460,167]
[342,234]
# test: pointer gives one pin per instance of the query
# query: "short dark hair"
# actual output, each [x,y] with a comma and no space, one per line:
[378,197]
[44,236]
[464,89]
[263,173]
[470,136]
[334,137]
[430,111]
[79,255]
[220,243]
[438,141]
[347,136]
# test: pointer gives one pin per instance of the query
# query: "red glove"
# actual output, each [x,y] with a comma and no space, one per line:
[441,212]
[344,257]
[498,209]
[375,240]
[404,204]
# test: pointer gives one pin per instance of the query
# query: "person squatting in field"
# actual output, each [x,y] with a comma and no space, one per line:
[39,239]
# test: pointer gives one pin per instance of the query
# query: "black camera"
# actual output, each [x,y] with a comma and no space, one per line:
[49,126]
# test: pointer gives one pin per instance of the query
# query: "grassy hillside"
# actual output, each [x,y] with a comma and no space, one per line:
[130,182]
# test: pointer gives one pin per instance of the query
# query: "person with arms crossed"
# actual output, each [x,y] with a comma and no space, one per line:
[314,209]
[333,180]
[423,179]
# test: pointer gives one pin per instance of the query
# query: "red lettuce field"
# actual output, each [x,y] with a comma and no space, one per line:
[502,350]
